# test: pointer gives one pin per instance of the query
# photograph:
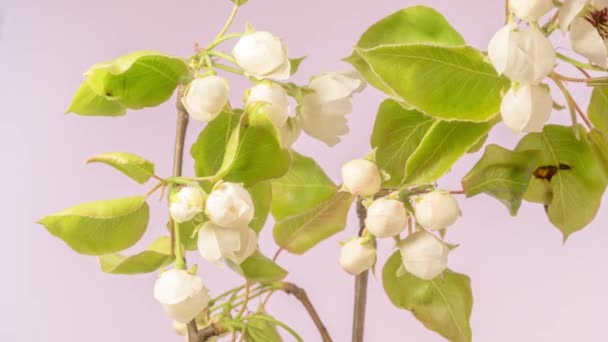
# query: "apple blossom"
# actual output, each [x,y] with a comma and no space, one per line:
[386,217]
[527,108]
[424,255]
[525,56]
[186,203]
[436,210]
[587,22]
[230,205]
[216,243]
[206,97]
[182,295]
[357,255]
[275,96]
[361,177]
[323,112]
[531,10]
[262,55]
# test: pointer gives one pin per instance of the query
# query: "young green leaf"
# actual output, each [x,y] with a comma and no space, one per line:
[259,330]
[598,108]
[300,232]
[101,227]
[135,167]
[502,174]
[157,255]
[295,64]
[259,268]
[303,187]
[261,194]
[443,304]
[88,103]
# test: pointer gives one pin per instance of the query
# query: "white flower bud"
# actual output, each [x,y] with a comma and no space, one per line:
[206,97]
[424,255]
[525,56]
[357,255]
[587,41]
[361,177]
[230,205]
[323,112]
[290,132]
[276,98]
[180,328]
[437,210]
[186,203]
[386,218]
[217,243]
[527,108]
[530,10]
[262,55]
[182,295]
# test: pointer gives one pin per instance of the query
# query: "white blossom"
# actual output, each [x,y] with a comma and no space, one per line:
[216,243]
[361,177]
[436,210]
[323,112]
[386,217]
[206,97]
[531,10]
[276,97]
[186,203]
[182,295]
[290,132]
[262,55]
[527,108]
[357,255]
[424,255]
[230,205]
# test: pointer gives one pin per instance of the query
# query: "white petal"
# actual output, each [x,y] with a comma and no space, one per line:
[569,10]
[249,244]
[173,286]
[599,4]
[277,99]
[208,244]
[531,10]
[361,177]
[531,57]
[230,205]
[437,210]
[386,218]
[586,40]
[498,48]
[282,72]
[357,256]
[290,132]
[542,106]
[324,121]
[424,255]
[260,53]
[190,307]
[334,86]
[206,97]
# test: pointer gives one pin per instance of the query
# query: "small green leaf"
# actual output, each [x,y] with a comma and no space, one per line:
[441,148]
[303,187]
[259,268]
[135,167]
[443,304]
[300,232]
[101,227]
[239,2]
[457,82]
[598,108]
[261,194]
[295,64]
[259,330]
[502,174]
[157,255]
[87,103]
[397,134]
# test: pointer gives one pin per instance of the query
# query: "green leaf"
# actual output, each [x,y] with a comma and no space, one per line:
[261,194]
[576,179]
[300,232]
[440,149]
[135,167]
[138,80]
[295,64]
[88,103]
[188,239]
[239,2]
[157,255]
[101,227]
[598,141]
[478,145]
[259,330]
[259,268]
[397,134]
[450,83]
[412,25]
[443,304]
[303,187]
[598,108]
[502,174]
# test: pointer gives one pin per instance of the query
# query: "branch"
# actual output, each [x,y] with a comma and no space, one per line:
[301,295]
[360,286]
[209,332]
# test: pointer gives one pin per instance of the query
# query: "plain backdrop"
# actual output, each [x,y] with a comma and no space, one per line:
[527,285]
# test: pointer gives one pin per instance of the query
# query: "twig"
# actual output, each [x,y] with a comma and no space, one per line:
[572,105]
[301,295]
[360,286]
[209,332]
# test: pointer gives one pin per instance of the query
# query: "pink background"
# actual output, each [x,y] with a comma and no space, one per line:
[527,286]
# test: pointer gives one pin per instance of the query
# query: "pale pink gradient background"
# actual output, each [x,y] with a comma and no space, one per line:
[527,286]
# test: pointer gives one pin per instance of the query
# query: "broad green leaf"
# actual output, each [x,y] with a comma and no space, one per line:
[157,255]
[397,134]
[576,179]
[101,227]
[598,108]
[254,152]
[259,268]
[502,174]
[440,149]
[138,80]
[450,83]
[262,330]
[443,304]
[413,25]
[135,167]
[261,194]
[539,191]
[478,145]
[88,103]
[598,141]
[303,187]
[300,232]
